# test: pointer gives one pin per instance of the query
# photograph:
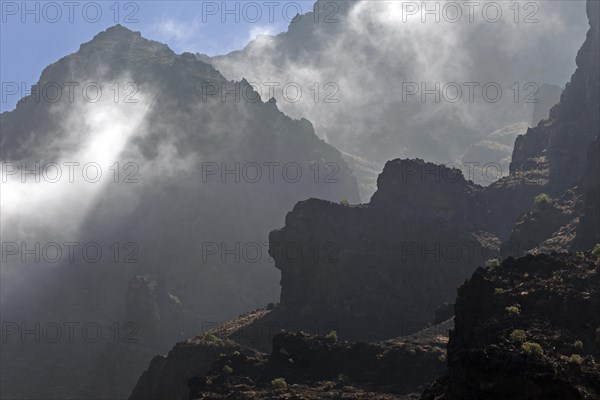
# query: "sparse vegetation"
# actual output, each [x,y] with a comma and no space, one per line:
[532,348]
[492,262]
[328,385]
[345,203]
[515,309]
[237,353]
[279,383]
[596,252]
[576,359]
[332,337]
[541,200]
[598,337]
[227,370]
[578,344]
[518,336]
[211,339]
[499,291]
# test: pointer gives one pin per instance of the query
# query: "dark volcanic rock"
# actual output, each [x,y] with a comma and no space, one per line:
[381,269]
[528,329]
[321,367]
[167,376]
[314,366]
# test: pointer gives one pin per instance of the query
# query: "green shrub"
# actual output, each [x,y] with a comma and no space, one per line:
[576,359]
[518,336]
[227,370]
[332,337]
[492,262]
[541,200]
[237,353]
[499,291]
[345,203]
[580,255]
[279,383]
[515,310]
[209,338]
[532,348]
[328,385]
[596,251]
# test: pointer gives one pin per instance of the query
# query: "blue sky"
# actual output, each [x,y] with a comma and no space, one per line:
[34,34]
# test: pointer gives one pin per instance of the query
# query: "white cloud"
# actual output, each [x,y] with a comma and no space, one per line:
[180,35]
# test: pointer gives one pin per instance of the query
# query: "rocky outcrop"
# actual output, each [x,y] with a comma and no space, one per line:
[311,367]
[528,329]
[382,268]
[167,376]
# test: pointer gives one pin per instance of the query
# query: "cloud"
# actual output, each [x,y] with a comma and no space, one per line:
[179,34]
[375,49]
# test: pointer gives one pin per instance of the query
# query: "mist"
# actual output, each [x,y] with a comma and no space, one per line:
[430,89]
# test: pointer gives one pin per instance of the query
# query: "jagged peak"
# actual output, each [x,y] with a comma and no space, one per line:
[121,34]
[118,30]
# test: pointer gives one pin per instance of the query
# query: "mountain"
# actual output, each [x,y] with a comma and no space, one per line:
[523,328]
[364,70]
[181,221]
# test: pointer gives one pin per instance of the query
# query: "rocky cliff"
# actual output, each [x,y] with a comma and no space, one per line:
[528,329]
[384,267]
[560,157]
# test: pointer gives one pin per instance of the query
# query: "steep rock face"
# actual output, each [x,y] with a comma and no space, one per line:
[528,329]
[560,157]
[589,222]
[556,148]
[379,269]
